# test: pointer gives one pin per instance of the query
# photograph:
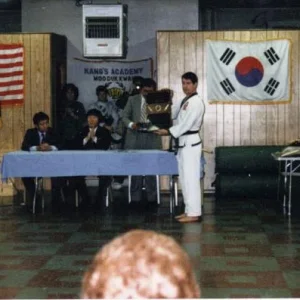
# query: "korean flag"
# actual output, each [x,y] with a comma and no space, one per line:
[248,71]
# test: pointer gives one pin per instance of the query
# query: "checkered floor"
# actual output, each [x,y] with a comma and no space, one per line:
[241,249]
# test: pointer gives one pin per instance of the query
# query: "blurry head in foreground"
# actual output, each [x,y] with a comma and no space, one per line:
[140,264]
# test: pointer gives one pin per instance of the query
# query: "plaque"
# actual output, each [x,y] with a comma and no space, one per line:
[159,109]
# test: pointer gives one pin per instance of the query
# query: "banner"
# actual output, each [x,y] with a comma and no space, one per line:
[248,72]
[115,75]
[11,74]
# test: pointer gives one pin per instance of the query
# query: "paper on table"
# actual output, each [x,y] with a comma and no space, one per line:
[290,151]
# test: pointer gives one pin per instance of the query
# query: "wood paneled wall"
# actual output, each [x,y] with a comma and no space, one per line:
[42,54]
[227,125]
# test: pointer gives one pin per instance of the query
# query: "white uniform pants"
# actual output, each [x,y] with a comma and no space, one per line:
[188,159]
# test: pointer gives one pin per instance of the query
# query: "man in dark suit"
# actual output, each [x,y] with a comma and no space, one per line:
[92,137]
[41,138]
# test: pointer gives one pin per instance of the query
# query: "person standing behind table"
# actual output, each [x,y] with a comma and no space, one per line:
[189,116]
[133,114]
[71,115]
[134,89]
[107,109]
[92,137]
[111,120]
[41,138]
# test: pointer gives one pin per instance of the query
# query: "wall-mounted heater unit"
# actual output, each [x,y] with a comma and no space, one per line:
[104,33]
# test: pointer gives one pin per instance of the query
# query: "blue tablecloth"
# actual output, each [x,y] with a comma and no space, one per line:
[88,163]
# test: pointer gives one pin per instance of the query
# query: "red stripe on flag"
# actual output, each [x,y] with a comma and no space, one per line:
[10,102]
[11,47]
[11,65]
[13,55]
[11,74]
[13,92]
[11,83]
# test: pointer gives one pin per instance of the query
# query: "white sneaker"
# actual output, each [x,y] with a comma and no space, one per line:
[125,182]
[116,186]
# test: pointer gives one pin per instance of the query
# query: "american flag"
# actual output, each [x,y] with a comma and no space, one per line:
[11,74]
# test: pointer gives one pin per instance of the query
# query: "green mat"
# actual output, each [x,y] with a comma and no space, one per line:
[246,171]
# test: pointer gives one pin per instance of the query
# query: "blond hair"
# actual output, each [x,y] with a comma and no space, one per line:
[140,264]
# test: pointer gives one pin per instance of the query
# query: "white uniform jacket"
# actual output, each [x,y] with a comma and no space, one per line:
[189,117]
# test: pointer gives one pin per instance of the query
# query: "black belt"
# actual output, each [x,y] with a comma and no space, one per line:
[191,132]
[176,141]
[177,147]
[193,145]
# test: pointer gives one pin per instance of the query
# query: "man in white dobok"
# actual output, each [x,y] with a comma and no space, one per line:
[189,116]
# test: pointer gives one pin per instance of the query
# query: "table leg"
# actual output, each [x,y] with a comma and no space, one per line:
[129,189]
[172,196]
[285,185]
[107,197]
[17,190]
[36,184]
[290,190]
[76,199]
[278,181]
[24,197]
[42,194]
[176,191]
[158,189]
[171,193]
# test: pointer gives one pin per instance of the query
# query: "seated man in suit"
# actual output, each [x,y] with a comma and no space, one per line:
[41,138]
[92,137]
